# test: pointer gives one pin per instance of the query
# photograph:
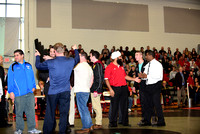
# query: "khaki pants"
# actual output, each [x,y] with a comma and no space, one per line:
[183,93]
[96,105]
[10,106]
[72,108]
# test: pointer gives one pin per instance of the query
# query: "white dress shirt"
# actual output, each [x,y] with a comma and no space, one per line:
[154,72]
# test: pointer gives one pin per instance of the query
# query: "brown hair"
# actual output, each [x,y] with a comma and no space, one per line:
[59,47]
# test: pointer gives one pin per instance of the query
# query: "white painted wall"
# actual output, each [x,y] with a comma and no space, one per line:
[61,30]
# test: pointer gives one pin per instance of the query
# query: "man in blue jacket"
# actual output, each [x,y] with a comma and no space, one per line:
[60,69]
[21,85]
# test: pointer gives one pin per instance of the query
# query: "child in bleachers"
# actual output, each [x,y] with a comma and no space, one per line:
[166,93]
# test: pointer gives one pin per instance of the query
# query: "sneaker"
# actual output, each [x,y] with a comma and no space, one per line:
[18,132]
[129,110]
[35,131]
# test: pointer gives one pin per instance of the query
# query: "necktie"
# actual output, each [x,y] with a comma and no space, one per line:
[148,69]
[148,73]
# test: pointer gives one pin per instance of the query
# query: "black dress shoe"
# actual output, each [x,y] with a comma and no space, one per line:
[71,126]
[68,130]
[112,125]
[128,125]
[144,123]
[120,123]
[5,125]
[159,124]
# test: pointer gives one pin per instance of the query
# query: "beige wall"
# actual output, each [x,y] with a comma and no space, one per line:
[61,29]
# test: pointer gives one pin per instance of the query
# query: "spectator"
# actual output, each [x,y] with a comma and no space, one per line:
[130,97]
[105,50]
[181,61]
[187,52]
[157,55]
[180,85]
[194,54]
[127,68]
[190,80]
[132,62]
[80,48]
[104,63]
[127,52]
[133,52]
[173,61]
[172,75]
[65,48]
[192,62]
[121,49]
[162,50]
[148,48]
[41,101]
[105,57]
[169,50]
[197,93]
[178,53]
[187,65]
[166,93]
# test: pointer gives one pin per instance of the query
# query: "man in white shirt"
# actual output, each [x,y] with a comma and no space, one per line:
[172,75]
[154,75]
[83,80]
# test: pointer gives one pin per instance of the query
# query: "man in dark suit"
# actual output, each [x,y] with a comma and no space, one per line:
[140,69]
[180,85]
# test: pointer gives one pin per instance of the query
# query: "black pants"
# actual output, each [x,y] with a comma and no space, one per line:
[142,98]
[142,101]
[3,112]
[152,100]
[120,98]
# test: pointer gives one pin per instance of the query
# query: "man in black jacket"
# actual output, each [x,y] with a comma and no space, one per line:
[140,69]
[96,89]
[3,112]
[180,86]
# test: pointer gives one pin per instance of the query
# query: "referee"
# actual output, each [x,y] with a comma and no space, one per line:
[154,74]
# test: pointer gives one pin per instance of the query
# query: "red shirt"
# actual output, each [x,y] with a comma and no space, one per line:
[181,62]
[187,64]
[190,81]
[115,75]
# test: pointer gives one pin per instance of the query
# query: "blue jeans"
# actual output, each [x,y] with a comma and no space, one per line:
[130,102]
[25,103]
[62,99]
[82,98]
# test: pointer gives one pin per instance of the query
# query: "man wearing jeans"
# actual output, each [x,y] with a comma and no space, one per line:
[60,69]
[21,85]
[83,79]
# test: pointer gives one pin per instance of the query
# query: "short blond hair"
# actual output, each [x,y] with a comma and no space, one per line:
[59,47]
